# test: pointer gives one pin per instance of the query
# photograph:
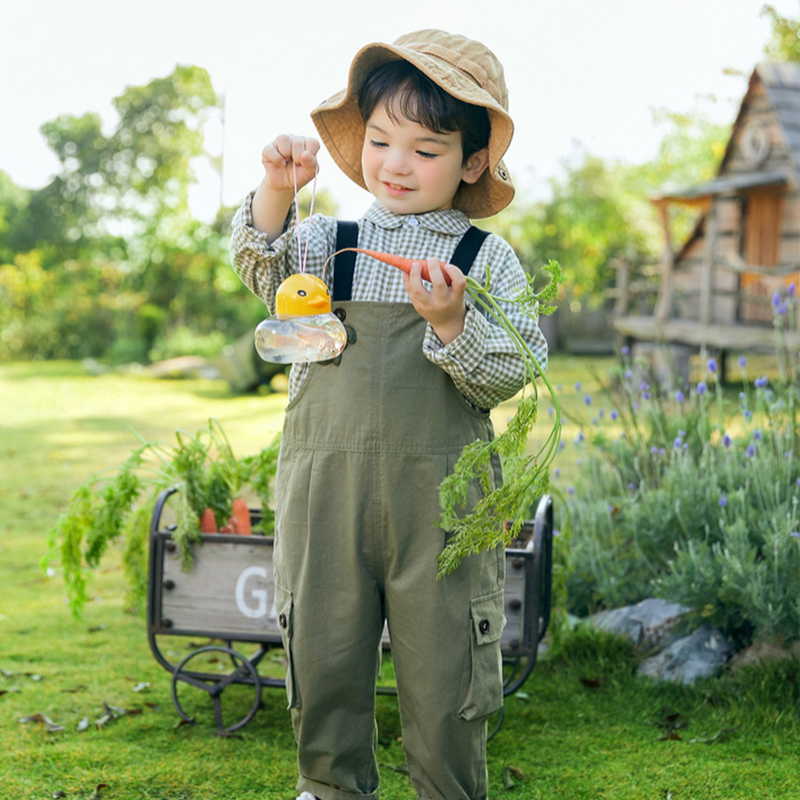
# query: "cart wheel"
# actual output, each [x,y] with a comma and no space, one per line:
[194,672]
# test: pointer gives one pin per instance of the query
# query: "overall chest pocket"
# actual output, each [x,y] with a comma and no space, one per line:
[482,685]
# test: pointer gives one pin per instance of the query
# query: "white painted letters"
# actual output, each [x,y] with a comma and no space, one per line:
[259,595]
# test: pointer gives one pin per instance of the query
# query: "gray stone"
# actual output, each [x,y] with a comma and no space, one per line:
[689,658]
[647,623]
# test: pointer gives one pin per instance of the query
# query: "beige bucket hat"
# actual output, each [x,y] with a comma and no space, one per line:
[465,69]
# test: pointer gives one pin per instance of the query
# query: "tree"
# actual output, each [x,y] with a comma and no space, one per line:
[784,42]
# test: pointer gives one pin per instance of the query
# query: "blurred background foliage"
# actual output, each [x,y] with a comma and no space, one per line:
[107,261]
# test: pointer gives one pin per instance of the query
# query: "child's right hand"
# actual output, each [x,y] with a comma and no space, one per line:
[281,155]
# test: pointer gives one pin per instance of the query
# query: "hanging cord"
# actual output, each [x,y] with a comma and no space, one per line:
[303,256]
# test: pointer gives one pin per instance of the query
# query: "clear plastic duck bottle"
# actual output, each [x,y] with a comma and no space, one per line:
[303,328]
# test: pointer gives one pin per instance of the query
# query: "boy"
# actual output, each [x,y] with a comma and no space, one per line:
[422,125]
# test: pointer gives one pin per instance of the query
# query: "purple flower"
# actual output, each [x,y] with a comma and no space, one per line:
[626,351]
[761,382]
[679,396]
[681,433]
[557,472]
[587,400]
[726,440]
[644,386]
[723,501]
[778,306]
[702,388]
[614,414]
[654,450]
[757,434]
[712,365]
[742,361]
[550,410]
[791,289]
[632,487]
[628,374]
[748,413]
[578,386]
[796,534]
[676,445]
[571,490]
[556,532]
[751,451]
[579,438]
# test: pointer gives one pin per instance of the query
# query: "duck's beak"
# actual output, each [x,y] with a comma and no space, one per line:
[318,302]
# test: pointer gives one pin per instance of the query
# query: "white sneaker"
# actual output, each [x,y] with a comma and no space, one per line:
[307,796]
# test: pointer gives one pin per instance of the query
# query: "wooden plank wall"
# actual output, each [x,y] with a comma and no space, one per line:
[740,294]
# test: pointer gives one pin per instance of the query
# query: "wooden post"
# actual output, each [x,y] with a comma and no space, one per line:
[664,301]
[623,283]
[707,273]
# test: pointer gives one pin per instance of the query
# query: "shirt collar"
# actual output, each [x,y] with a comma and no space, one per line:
[450,221]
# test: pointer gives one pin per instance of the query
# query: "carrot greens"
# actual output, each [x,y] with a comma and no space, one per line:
[497,518]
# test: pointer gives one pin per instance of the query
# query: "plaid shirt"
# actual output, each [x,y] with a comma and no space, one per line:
[483,361]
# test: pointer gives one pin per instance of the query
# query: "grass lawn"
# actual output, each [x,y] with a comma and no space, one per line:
[583,726]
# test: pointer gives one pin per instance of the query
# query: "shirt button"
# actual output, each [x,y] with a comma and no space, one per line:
[282,621]
[484,626]
[413,222]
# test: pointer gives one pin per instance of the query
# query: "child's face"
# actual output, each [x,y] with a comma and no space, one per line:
[409,168]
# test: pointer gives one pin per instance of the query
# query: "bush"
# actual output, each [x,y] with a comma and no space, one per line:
[693,497]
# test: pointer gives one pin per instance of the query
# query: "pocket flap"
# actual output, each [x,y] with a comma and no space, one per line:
[488,619]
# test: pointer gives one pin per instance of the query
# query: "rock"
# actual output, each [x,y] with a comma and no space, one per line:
[183,367]
[764,652]
[648,623]
[689,658]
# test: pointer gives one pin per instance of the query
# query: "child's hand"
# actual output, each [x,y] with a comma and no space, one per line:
[280,156]
[442,305]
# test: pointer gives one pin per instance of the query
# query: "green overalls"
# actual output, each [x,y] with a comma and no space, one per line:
[365,444]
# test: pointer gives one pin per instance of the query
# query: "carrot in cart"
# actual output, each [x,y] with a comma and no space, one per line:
[208,522]
[241,517]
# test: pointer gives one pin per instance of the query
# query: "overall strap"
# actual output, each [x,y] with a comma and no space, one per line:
[467,249]
[345,263]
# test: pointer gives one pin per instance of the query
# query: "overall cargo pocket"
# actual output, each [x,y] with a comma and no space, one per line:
[482,691]
[284,608]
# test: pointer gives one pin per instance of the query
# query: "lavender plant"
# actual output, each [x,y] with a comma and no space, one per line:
[692,495]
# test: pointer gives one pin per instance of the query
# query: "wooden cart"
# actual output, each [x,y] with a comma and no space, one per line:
[228,595]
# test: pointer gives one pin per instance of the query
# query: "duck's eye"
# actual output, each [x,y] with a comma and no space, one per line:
[302,292]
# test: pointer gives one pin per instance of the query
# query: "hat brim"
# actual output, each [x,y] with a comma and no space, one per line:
[342,130]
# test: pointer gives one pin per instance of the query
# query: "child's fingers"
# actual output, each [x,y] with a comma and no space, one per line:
[446,275]
[286,149]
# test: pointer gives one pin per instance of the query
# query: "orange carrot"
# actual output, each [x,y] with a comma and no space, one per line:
[208,522]
[395,261]
[241,517]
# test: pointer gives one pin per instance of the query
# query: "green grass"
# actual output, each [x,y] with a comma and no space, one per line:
[584,726]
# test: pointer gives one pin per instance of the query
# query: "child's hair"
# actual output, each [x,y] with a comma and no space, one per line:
[407,92]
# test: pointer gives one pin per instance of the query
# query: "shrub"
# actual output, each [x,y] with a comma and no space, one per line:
[693,497]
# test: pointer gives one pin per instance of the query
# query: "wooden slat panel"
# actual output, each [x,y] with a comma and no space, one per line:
[230,592]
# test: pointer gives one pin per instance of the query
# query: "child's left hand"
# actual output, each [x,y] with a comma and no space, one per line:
[443,306]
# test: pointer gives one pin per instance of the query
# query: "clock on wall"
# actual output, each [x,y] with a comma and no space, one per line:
[755,143]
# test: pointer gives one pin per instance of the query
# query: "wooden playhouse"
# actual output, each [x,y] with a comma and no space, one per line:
[716,290]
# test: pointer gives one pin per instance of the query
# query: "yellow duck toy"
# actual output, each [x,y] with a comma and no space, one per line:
[303,328]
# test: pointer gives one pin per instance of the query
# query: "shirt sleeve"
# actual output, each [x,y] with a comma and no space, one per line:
[483,361]
[262,265]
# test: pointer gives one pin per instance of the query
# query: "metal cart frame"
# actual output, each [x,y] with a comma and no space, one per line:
[228,595]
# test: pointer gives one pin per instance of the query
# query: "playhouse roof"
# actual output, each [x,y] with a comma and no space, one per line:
[781,83]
